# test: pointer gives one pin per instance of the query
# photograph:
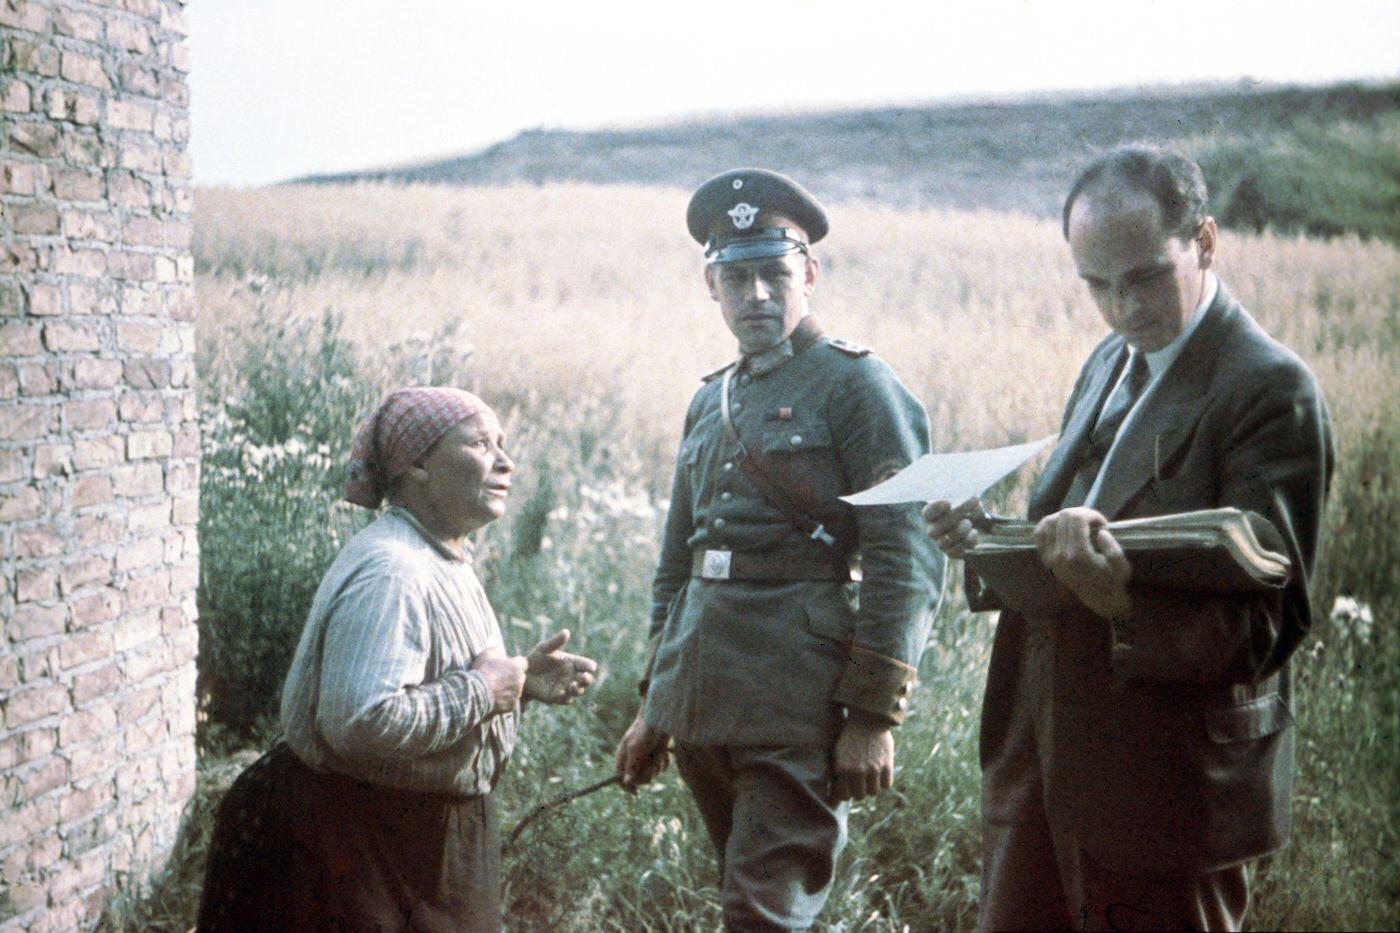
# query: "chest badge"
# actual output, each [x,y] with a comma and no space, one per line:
[742,214]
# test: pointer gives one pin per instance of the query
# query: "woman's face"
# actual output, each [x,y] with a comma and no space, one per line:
[465,477]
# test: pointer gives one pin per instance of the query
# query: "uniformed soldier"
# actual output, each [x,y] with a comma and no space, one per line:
[777,675]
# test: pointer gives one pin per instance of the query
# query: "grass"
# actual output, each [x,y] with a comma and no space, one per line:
[579,313]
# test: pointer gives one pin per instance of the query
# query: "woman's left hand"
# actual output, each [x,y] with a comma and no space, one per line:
[555,676]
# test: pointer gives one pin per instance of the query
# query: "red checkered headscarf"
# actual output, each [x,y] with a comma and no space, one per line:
[402,429]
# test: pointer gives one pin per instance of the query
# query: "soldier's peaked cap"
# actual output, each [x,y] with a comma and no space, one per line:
[722,214]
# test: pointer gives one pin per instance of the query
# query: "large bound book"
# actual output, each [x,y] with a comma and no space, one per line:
[1209,551]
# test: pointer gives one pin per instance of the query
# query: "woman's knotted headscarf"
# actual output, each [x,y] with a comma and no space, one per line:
[402,429]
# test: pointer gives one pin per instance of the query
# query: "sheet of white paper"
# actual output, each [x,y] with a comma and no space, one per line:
[955,477]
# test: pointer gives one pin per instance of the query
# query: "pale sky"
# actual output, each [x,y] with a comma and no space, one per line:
[288,87]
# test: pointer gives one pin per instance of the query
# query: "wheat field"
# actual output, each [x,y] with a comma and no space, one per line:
[580,312]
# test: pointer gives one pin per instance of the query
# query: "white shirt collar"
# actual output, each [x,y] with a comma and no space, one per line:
[1159,361]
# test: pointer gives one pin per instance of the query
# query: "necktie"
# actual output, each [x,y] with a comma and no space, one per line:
[1101,436]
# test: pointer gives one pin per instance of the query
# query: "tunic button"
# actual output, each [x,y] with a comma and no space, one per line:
[737,407]
[719,523]
[744,377]
[729,464]
[901,704]
[796,439]
[726,496]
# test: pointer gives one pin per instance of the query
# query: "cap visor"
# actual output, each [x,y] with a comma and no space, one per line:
[746,250]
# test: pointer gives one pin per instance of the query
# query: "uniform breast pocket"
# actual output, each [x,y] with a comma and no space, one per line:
[795,437]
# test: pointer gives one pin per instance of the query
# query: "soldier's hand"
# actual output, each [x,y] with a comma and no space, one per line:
[505,678]
[863,761]
[1076,546]
[954,530]
[643,753]
[555,676]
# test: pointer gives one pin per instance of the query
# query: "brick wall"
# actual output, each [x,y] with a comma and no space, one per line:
[99,451]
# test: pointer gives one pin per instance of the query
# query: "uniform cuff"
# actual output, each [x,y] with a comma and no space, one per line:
[877,684]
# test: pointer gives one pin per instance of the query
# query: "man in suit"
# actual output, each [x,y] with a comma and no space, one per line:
[1137,750]
[778,686]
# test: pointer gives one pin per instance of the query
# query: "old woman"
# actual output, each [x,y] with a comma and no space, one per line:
[400,708]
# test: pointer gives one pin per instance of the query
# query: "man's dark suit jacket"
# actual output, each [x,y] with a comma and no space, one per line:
[1172,747]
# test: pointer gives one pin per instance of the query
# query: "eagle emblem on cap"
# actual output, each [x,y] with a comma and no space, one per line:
[742,214]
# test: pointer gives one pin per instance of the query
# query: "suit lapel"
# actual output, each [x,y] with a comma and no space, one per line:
[1053,483]
[1168,413]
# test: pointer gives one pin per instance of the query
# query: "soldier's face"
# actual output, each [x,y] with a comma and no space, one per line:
[763,300]
[1145,281]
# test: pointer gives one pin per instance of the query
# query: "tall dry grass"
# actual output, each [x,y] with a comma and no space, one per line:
[580,312]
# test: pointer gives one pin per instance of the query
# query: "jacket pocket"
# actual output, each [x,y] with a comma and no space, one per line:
[796,437]
[830,615]
[1245,722]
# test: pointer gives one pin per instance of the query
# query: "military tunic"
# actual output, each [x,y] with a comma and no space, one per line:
[773,662]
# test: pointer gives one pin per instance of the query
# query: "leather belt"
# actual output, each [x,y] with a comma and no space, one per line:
[747,565]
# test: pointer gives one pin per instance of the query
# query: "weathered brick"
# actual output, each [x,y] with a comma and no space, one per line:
[31,585]
[17,258]
[24,504]
[25,14]
[9,382]
[81,69]
[186,510]
[129,35]
[96,374]
[41,541]
[95,529]
[142,407]
[26,421]
[34,219]
[146,445]
[12,467]
[73,337]
[37,139]
[39,665]
[32,857]
[84,572]
[78,185]
[36,621]
[70,22]
[139,554]
[53,460]
[13,299]
[126,190]
[87,724]
[136,78]
[39,779]
[90,489]
[15,96]
[99,757]
[38,58]
[139,479]
[17,339]
[150,373]
[85,647]
[90,225]
[95,299]
[82,146]
[131,265]
[83,802]
[34,703]
[90,414]
[18,177]
[96,682]
[38,378]
[19,747]
[98,453]
[34,818]
[150,590]
[130,115]
[45,300]
[149,517]
[73,106]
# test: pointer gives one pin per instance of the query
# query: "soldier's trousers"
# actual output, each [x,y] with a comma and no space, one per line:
[774,826]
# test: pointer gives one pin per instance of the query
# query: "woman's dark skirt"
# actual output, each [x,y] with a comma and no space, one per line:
[296,850]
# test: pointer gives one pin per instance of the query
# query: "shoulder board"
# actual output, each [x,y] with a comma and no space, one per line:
[848,348]
[711,377]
